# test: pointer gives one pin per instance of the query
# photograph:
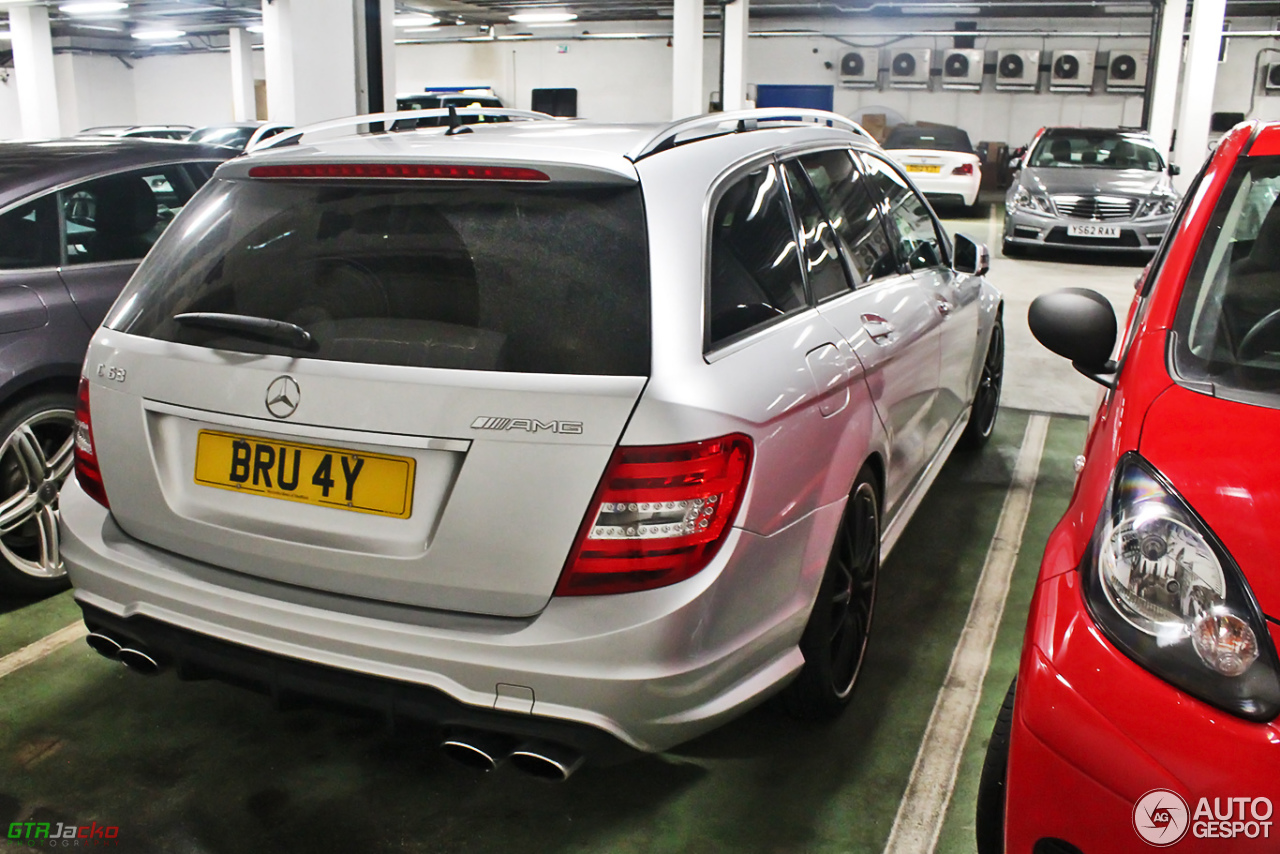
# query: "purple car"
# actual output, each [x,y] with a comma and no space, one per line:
[76,217]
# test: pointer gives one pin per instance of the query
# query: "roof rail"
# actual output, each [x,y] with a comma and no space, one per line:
[665,136]
[294,136]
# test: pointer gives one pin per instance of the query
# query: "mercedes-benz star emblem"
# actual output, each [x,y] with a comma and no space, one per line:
[282,397]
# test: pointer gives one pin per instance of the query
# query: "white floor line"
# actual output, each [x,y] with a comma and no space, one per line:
[933,777]
[45,646]
[993,226]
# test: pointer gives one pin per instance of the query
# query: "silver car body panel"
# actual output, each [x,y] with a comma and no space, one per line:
[460,599]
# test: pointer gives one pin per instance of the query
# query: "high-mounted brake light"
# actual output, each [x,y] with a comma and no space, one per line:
[446,171]
[659,516]
[87,472]
[963,169]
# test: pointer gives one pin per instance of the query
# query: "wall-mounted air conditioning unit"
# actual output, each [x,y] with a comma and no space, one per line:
[860,69]
[1018,70]
[1127,71]
[1072,71]
[962,69]
[1271,80]
[909,68]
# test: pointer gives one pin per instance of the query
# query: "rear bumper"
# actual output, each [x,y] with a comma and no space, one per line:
[1093,733]
[649,669]
[948,189]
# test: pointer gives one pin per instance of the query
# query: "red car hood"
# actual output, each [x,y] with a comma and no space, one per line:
[1224,458]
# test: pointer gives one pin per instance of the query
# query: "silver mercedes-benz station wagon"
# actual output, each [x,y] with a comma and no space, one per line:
[569,438]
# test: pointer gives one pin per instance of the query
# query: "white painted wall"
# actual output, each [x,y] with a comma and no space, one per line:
[630,80]
[93,90]
[192,90]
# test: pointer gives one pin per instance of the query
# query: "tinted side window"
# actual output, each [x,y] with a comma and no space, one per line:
[120,217]
[849,205]
[919,245]
[29,236]
[755,268]
[817,238]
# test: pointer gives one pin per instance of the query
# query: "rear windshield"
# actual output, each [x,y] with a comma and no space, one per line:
[937,139]
[490,277]
[1228,324]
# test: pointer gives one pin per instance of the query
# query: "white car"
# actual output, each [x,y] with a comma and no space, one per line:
[940,160]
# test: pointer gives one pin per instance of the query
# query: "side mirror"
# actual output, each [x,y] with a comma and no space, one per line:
[1015,163]
[969,256]
[1174,170]
[1081,325]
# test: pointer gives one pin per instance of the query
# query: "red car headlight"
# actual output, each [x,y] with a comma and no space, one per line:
[1163,588]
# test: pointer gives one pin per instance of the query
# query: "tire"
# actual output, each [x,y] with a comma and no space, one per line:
[36,454]
[834,642]
[986,398]
[989,818]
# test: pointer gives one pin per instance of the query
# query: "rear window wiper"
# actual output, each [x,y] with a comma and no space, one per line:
[258,328]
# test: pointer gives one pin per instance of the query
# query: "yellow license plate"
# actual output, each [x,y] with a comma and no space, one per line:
[921,167]
[310,474]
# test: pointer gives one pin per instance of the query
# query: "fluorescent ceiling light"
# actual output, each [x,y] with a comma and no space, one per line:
[416,20]
[422,30]
[5,35]
[555,25]
[98,28]
[935,8]
[158,35]
[542,17]
[254,28]
[95,7]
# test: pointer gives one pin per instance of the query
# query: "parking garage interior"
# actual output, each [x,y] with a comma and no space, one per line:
[208,767]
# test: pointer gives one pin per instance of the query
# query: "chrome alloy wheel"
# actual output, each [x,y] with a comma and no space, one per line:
[35,459]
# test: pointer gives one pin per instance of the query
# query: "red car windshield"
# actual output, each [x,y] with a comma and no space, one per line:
[1228,324]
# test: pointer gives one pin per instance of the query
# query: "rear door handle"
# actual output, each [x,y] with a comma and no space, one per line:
[879,329]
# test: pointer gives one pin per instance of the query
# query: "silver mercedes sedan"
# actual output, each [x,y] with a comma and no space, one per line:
[569,438]
[1095,189]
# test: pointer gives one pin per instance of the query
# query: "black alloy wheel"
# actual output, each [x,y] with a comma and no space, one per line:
[834,643]
[36,455]
[986,400]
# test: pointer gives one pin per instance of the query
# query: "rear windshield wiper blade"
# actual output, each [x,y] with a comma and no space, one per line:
[260,328]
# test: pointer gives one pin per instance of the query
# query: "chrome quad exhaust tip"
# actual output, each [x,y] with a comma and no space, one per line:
[484,751]
[546,761]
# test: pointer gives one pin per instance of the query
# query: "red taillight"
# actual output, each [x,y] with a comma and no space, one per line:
[399,170]
[658,516]
[87,473]
[963,169]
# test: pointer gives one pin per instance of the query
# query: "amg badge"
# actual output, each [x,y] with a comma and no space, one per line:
[531,425]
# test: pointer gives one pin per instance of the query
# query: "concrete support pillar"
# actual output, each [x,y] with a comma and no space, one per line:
[33,68]
[376,61]
[734,96]
[1168,60]
[686,60]
[1197,88]
[242,103]
[311,59]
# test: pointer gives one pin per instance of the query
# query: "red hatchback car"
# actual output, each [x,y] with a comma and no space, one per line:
[1144,711]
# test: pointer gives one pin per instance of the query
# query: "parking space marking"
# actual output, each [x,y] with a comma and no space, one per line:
[47,645]
[993,225]
[933,776]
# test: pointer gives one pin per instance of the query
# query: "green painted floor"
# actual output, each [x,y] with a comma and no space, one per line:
[203,767]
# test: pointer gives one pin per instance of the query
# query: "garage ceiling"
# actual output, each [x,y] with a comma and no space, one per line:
[205,22]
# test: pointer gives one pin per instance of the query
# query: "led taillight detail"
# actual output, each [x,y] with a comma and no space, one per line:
[399,170]
[659,516]
[963,169]
[87,473]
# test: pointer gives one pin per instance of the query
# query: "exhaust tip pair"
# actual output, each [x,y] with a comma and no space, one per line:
[135,659]
[486,751]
